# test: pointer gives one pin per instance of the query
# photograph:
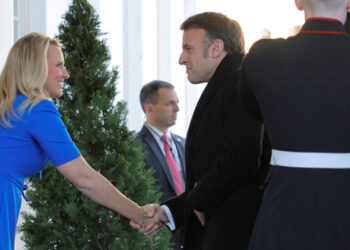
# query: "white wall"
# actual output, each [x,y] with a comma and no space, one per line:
[6,29]
[54,12]
[132,59]
[38,21]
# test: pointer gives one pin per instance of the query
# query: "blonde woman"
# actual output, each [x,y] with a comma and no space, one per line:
[32,132]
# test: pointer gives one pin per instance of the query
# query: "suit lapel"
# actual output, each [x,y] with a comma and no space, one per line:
[154,146]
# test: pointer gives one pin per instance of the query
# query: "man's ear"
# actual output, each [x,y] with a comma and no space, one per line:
[148,107]
[299,4]
[217,48]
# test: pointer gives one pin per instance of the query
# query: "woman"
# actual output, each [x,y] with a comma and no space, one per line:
[32,132]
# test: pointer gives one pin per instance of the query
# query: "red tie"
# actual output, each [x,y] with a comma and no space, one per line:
[173,166]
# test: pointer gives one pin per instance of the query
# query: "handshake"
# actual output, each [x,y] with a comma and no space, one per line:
[151,219]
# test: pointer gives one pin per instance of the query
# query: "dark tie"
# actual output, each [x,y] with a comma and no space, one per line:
[172,165]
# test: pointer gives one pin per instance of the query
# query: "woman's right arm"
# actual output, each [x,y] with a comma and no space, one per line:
[99,189]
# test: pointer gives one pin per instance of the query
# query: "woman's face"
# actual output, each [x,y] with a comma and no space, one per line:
[57,73]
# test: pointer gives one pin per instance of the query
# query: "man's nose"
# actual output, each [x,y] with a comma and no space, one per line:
[182,58]
[176,108]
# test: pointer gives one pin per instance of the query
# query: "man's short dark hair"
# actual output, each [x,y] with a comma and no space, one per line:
[218,26]
[149,92]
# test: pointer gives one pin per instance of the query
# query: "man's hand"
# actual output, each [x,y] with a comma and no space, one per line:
[200,216]
[155,218]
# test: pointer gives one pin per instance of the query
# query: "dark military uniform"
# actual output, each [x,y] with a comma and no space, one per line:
[300,88]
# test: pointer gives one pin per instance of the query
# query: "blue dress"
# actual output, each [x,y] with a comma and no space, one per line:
[25,149]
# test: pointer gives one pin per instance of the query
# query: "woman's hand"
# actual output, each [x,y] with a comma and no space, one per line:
[153,219]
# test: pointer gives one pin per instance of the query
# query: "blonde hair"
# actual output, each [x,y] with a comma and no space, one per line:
[25,72]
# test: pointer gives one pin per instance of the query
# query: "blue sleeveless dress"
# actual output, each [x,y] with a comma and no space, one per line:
[39,136]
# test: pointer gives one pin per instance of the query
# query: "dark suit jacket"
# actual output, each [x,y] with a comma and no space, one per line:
[222,151]
[155,158]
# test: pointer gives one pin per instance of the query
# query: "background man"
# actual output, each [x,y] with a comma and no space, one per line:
[300,88]
[160,104]
[222,149]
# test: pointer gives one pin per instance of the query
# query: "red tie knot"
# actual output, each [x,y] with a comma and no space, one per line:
[165,138]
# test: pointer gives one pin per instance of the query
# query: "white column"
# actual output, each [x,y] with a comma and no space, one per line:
[6,30]
[164,40]
[25,17]
[38,16]
[132,61]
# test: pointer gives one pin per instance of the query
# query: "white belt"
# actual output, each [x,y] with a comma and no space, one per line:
[310,160]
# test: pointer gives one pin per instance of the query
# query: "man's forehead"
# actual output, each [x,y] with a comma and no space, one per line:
[195,32]
[166,91]
[193,36]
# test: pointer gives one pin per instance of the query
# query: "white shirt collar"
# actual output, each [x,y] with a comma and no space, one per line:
[157,131]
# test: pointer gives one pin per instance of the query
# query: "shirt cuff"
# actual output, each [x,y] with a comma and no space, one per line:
[171,223]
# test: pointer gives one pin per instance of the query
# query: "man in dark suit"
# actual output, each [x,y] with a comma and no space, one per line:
[300,88]
[160,104]
[223,144]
